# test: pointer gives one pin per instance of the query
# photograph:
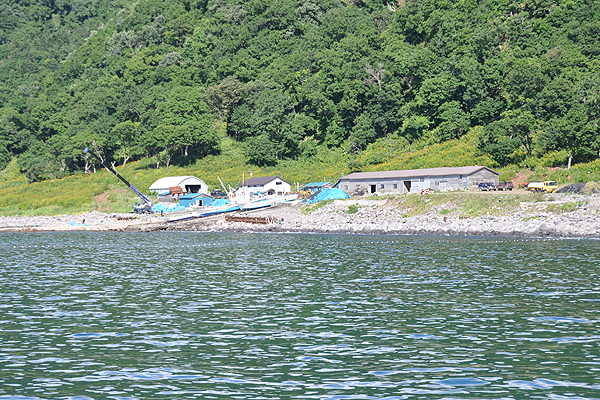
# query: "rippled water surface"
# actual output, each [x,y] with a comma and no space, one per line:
[264,316]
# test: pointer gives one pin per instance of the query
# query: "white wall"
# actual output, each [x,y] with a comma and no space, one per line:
[278,185]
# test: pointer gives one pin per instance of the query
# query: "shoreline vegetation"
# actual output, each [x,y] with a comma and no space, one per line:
[507,214]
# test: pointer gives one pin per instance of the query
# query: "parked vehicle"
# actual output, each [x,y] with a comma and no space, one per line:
[218,194]
[487,186]
[505,186]
[546,186]
[304,192]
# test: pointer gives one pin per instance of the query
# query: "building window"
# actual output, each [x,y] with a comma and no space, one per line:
[346,187]
[357,185]
[381,186]
[278,183]
[421,180]
[395,186]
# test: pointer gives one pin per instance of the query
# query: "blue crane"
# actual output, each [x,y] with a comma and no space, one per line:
[146,206]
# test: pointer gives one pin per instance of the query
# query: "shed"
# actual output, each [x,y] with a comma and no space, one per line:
[195,199]
[271,185]
[314,187]
[413,180]
[188,184]
[165,197]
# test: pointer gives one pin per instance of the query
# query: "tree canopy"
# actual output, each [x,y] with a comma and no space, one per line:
[157,79]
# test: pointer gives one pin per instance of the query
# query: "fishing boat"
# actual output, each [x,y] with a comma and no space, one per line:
[241,199]
[262,201]
[255,205]
[207,212]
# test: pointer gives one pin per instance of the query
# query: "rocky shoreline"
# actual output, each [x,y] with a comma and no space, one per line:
[365,216]
[377,217]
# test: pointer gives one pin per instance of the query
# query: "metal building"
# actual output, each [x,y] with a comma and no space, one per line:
[414,180]
[188,184]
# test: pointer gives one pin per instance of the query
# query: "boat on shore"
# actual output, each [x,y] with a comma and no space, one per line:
[207,212]
[255,205]
[267,202]
[241,199]
[203,212]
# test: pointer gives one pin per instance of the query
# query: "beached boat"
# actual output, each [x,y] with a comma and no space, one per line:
[218,210]
[267,202]
[204,212]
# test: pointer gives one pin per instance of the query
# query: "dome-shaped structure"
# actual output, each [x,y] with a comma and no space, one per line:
[188,184]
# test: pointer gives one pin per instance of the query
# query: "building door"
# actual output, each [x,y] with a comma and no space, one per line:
[407,186]
[192,188]
[373,188]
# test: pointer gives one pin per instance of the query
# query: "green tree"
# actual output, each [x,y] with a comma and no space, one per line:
[268,125]
[362,134]
[223,98]
[523,125]
[37,164]
[497,141]
[125,137]
[455,122]
[573,133]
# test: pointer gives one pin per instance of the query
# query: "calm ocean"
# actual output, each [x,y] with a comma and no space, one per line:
[278,316]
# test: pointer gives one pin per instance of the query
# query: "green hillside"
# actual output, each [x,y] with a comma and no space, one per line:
[304,89]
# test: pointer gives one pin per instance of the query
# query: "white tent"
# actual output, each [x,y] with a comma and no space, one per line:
[189,184]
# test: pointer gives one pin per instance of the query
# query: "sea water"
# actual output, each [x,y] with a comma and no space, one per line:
[291,316]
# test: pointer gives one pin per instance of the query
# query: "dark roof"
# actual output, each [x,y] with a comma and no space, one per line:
[260,181]
[411,173]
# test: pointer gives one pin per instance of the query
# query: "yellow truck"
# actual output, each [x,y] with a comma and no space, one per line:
[546,186]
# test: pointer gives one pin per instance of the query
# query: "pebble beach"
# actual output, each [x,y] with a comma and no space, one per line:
[365,216]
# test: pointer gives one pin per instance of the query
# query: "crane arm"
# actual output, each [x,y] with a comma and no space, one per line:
[109,169]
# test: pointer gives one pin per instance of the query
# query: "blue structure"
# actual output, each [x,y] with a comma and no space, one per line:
[194,199]
[314,187]
[220,203]
[164,208]
[327,194]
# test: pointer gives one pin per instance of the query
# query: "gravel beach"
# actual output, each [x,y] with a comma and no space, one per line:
[372,215]
[382,217]
[90,221]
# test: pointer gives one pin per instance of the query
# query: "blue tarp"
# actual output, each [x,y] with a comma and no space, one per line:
[158,208]
[220,202]
[327,194]
[315,184]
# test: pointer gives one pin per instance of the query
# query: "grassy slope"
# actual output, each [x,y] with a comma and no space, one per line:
[80,193]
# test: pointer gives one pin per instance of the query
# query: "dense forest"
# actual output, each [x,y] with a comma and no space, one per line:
[170,80]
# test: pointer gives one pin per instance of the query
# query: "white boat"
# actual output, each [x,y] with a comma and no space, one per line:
[254,205]
[218,210]
[204,212]
[247,200]
[267,202]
